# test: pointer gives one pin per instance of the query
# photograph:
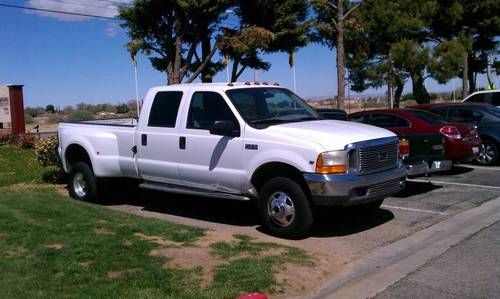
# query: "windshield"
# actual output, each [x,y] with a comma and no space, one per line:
[262,107]
[429,117]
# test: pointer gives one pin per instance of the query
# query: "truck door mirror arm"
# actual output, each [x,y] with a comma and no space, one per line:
[225,128]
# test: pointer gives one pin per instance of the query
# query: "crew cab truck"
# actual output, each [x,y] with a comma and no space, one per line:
[242,142]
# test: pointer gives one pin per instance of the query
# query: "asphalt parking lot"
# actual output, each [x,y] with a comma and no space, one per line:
[339,236]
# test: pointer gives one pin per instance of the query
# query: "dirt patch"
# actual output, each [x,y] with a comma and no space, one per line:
[127,243]
[3,236]
[213,236]
[158,240]
[62,190]
[296,279]
[103,231]
[118,274]
[190,258]
[102,221]
[59,275]
[56,246]
[17,252]
[85,264]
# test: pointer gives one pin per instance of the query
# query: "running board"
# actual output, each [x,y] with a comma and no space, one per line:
[197,192]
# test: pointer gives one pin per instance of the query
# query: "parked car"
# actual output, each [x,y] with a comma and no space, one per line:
[421,146]
[336,114]
[485,117]
[484,96]
[240,142]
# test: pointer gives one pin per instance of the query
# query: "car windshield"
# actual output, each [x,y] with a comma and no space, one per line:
[262,107]
[429,117]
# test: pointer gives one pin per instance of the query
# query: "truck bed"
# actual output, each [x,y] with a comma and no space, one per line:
[110,140]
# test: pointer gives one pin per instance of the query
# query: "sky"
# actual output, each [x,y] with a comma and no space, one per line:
[63,60]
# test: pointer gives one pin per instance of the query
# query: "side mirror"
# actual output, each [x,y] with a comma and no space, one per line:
[225,128]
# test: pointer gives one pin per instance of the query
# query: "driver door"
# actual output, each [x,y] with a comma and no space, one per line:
[207,161]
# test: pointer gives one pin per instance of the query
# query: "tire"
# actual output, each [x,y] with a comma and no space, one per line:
[489,153]
[82,183]
[292,216]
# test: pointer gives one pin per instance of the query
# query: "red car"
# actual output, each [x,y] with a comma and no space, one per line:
[461,141]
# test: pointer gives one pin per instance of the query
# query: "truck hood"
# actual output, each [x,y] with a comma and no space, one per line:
[330,134]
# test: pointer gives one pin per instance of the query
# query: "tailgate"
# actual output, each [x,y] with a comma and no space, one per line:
[425,147]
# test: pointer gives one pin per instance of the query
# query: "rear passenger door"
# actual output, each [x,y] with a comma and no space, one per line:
[208,161]
[157,139]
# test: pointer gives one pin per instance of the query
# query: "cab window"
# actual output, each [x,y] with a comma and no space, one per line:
[164,109]
[206,108]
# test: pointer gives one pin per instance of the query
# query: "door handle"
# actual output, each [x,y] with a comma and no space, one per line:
[182,142]
[144,139]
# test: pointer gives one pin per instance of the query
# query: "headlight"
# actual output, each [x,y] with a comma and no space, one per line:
[332,162]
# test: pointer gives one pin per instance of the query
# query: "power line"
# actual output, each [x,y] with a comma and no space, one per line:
[76,3]
[57,11]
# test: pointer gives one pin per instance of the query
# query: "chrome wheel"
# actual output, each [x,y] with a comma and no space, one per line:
[80,185]
[281,209]
[487,154]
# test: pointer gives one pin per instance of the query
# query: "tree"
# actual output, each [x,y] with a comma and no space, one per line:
[390,44]
[171,31]
[50,108]
[265,26]
[330,24]
[473,24]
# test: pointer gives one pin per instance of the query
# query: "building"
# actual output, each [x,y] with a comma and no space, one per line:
[12,109]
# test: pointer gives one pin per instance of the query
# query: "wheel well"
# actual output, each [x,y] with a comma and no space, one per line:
[489,138]
[76,153]
[277,169]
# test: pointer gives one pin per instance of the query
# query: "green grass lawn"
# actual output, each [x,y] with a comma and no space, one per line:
[19,166]
[53,246]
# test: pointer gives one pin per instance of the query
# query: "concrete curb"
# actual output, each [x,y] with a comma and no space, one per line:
[370,275]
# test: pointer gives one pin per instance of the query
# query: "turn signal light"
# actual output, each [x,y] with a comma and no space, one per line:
[404,148]
[331,163]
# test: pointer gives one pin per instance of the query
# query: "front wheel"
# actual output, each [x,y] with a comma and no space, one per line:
[284,208]
[488,154]
[82,182]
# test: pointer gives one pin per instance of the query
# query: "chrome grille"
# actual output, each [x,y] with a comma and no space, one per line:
[377,158]
[389,187]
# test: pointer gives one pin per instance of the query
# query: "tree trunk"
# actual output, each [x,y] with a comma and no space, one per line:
[340,54]
[207,74]
[419,91]
[399,91]
[465,76]
[234,71]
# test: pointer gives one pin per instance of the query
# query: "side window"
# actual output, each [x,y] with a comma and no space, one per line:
[388,121]
[440,111]
[460,115]
[495,98]
[361,118]
[206,108]
[164,109]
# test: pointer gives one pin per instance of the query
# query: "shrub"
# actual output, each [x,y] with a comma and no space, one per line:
[46,152]
[55,119]
[81,115]
[6,139]
[25,140]
[28,119]
[54,175]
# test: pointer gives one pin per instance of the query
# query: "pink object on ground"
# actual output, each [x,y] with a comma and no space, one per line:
[253,296]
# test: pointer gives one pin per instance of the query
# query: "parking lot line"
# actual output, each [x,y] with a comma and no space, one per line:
[480,167]
[414,210]
[455,184]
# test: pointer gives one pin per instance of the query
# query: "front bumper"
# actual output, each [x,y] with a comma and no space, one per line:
[351,189]
[421,168]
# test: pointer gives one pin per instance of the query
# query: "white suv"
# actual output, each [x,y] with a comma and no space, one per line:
[484,96]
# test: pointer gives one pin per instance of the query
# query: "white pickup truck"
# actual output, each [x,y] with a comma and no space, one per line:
[238,141]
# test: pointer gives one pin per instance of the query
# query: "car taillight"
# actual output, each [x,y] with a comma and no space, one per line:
[450,131]
[404,148]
